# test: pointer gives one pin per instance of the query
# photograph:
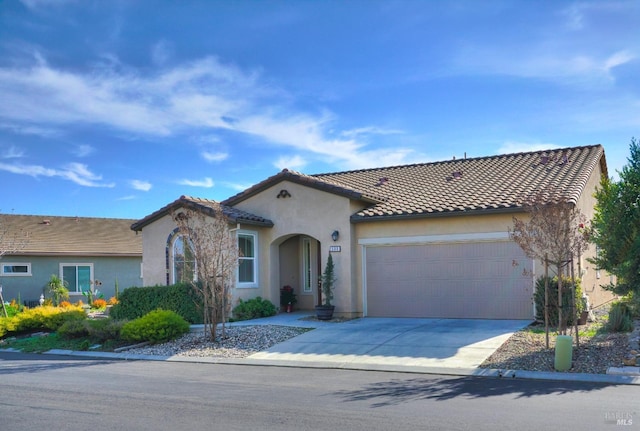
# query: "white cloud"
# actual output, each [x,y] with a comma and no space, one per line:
[206,183]
[290,162]
[12,152]
[237,186]
[210,156]
[372,130]
[75,172]
[205,96]
[127,198]
[25,129]
[83,150]
[36,4]
[144,186]
[161,52]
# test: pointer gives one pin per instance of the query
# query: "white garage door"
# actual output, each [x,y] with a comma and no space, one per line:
[482,280]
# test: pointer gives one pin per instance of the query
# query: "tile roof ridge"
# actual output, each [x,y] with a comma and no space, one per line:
[467,159]
[48,216]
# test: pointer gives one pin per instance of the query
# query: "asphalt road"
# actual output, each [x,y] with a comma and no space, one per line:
[41,392]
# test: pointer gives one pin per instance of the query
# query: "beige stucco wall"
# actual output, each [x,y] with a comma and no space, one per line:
[313,213]
[593,279]
[154,242]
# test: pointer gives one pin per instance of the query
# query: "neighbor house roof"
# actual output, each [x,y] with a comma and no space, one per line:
[74,236]
[207,206]
[494,183]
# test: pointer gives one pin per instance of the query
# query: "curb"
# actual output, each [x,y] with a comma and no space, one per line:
[620,379]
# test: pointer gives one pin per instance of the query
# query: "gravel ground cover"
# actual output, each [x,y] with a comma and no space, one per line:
[525,350]
[240,342]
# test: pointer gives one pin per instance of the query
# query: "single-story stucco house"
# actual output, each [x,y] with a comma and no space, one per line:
[420,240]
[83,251]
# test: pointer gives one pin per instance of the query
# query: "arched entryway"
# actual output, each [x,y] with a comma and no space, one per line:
[299,267]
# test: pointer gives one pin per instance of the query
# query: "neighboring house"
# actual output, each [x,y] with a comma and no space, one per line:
[421,240]
[84,252]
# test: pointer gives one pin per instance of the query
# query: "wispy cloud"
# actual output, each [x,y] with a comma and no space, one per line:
[26,129]
[74,172]
[210,156]
[206,183]
[127,198]
[12,152]
[236,186]
[204,96]
[144,186]
[83,150]
[290,162]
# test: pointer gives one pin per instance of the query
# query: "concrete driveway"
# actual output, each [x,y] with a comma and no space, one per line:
[385,342]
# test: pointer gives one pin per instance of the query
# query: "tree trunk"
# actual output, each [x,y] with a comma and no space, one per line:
[574,308]
[546,299]
[560,322]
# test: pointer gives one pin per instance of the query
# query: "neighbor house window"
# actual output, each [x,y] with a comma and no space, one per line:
[248,262]
[184,262]
[77,276]
[13,269]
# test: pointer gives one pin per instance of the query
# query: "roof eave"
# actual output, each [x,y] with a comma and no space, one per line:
[483,211]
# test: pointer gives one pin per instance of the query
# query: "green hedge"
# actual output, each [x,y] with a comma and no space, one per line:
[253,309]
[553,299]
[181,298]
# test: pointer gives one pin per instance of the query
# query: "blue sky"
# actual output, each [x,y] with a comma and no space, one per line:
[116,108]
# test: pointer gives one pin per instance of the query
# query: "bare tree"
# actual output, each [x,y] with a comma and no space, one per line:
[555,233]
[215,253]
[12,240]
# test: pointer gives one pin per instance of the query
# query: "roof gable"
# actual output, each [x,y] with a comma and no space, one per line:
[315,182]
[75,236]
[206,206]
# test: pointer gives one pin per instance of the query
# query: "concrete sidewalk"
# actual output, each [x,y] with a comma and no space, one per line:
[430,346]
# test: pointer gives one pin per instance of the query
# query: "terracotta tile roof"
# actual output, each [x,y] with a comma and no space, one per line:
[206,205]
[76,236]
[493,183]
[316,182]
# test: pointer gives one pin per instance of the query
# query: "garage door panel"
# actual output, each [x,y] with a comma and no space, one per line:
[457,280]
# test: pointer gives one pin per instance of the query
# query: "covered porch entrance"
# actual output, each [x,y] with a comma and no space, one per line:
[300,268]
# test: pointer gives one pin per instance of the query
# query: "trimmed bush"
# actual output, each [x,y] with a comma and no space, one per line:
[157,326]
[620,317]
[253,309]
[181,298]
[553,299]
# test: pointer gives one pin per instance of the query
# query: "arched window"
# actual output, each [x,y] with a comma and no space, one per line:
[184,263]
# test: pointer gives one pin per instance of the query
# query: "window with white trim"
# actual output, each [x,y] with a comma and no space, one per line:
[16,269]
[184,262]
[77,276]
[307,267]
[247,259]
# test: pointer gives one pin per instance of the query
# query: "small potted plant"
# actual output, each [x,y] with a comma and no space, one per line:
[287,298]
[325,310]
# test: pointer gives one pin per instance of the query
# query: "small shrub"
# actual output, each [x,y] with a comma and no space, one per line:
[553,300]
[157,326]
[101,330]
[253,309]
[12,310]
[73,329]
[619,318]
[99,303]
